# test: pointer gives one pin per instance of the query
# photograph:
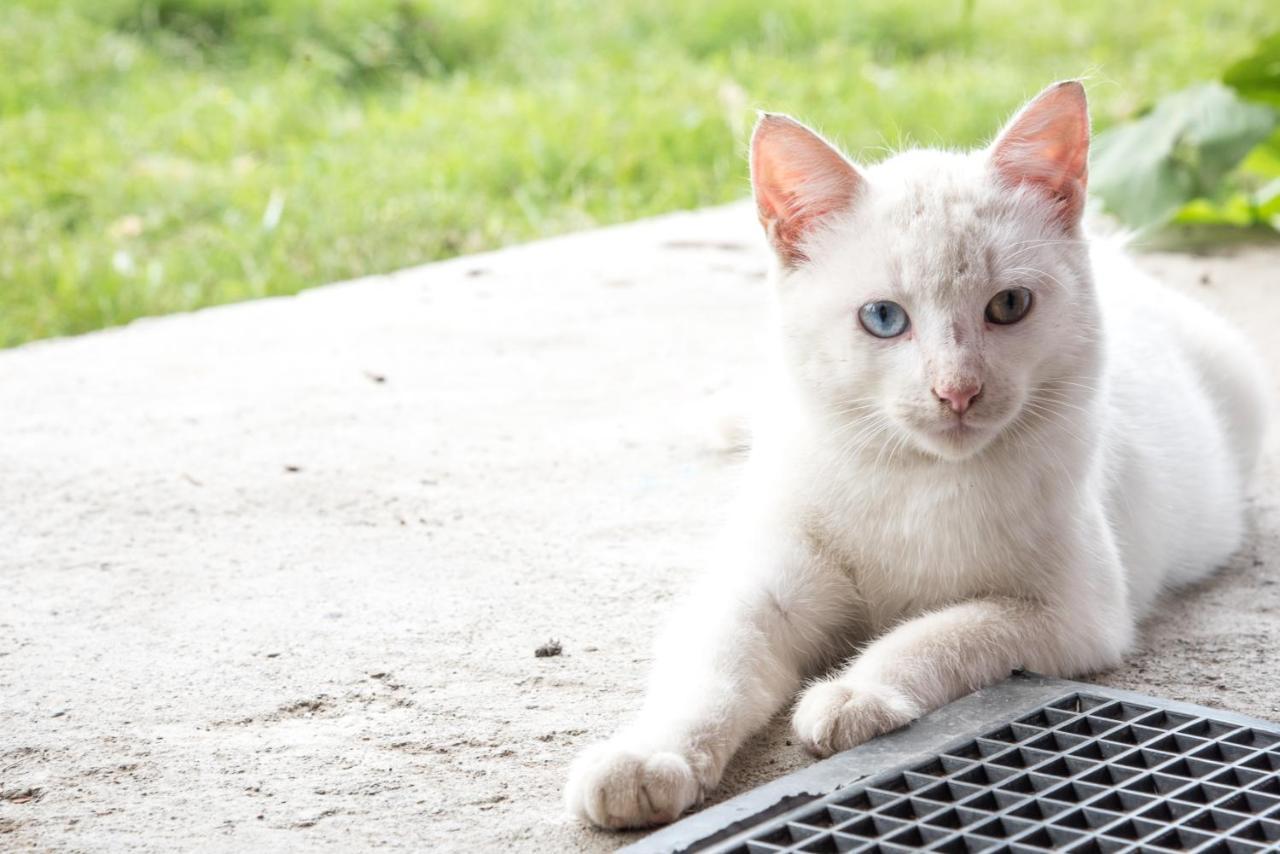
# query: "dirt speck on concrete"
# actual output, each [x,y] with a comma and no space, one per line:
[549,649]
[314,820]
[305,707]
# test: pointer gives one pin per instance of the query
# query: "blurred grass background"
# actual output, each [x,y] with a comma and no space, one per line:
[161,155]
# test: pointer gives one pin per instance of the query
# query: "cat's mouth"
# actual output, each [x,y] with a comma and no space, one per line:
[957,427]
[954,438]
[958,430]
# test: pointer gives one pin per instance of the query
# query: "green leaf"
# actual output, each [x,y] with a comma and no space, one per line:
[1254,196]
[1257,77]
[1240,209]
[1264,161]
[1235,210]
[1267,204]
[1145,171]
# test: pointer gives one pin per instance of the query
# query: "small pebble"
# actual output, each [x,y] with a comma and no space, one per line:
[548,649]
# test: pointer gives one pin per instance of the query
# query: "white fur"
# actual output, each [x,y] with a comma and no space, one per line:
[1108,458]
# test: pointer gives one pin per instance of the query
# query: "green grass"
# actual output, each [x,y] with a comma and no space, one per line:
[162,155]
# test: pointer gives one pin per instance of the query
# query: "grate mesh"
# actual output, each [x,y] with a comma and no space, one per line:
[1081,773]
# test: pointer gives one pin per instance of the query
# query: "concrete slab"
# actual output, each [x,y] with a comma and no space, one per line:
[272,575]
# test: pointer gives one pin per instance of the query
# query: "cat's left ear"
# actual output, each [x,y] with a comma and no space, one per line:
[1046,146]
[799,179]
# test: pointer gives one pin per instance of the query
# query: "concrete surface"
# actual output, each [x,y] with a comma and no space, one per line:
[272,575]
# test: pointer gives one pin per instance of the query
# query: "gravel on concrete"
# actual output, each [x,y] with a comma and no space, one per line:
[275,575]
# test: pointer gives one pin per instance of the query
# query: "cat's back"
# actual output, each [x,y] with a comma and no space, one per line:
[1186,409]
[1163,340]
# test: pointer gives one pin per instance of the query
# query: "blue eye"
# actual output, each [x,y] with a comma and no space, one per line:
[883,319]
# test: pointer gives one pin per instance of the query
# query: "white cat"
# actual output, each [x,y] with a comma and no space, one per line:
[988,443]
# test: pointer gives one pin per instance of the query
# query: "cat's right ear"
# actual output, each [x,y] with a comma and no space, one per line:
[798,179]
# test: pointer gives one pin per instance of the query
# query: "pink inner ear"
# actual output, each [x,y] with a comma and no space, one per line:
[798,179]
[1047,145]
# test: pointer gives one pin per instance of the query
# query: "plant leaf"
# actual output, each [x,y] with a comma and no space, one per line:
[1257,76]
[1264,161]
[1144,171]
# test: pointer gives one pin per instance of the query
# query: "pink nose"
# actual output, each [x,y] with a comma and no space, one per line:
[958,397]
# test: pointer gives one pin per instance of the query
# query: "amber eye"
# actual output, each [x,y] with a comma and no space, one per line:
[1009,306]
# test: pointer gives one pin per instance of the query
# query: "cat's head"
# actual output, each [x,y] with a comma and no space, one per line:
[935,298]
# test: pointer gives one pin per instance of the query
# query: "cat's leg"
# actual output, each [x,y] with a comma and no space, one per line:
[733,656]
[932,659]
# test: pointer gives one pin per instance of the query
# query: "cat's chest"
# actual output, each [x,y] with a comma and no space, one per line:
[914,542]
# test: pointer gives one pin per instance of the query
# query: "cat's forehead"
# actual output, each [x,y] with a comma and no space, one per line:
[939,219]
[931,193]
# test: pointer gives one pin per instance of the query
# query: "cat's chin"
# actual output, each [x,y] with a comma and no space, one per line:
[956,441]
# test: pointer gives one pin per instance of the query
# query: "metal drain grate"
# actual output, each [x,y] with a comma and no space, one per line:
[1082,772]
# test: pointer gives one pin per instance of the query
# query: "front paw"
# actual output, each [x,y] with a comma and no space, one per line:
[614,785]
[833,716]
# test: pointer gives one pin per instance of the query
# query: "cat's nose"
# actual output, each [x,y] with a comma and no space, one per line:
[958,397]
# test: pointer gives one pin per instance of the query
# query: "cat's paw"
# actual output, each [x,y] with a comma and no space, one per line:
[614,785]
[833,715]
